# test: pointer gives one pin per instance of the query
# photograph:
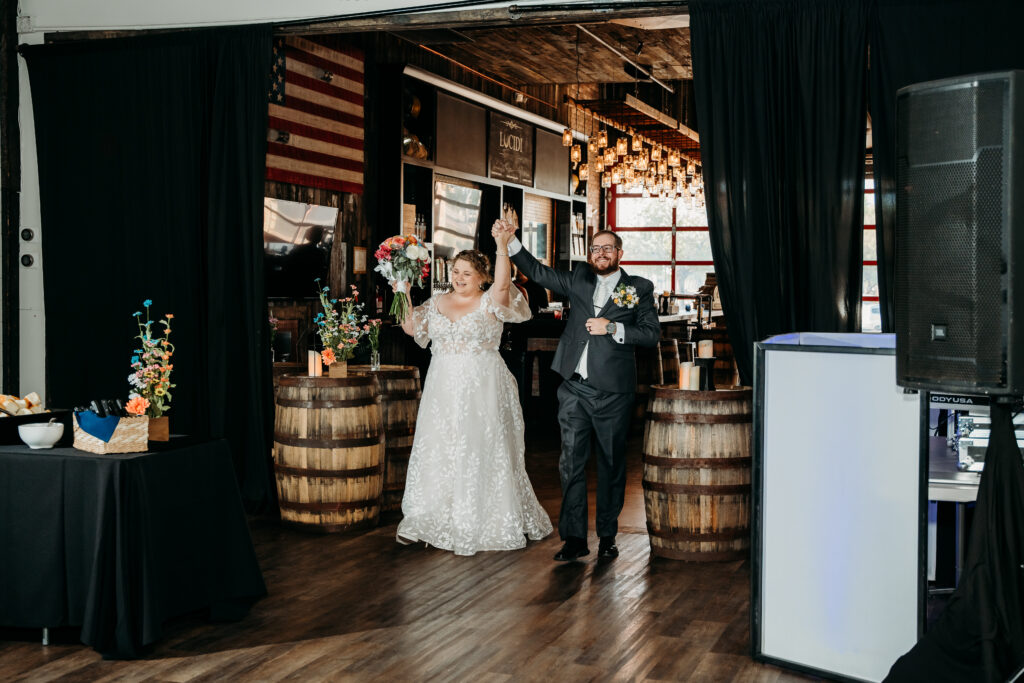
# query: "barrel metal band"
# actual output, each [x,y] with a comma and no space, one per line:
[329,403]
[691,418]
[722,556]
[696,463]
[401,395]
[397,452]
[344,442]
[400,431]
[353,473]
[720,395]
[697,489]
[329,507]
[700,536]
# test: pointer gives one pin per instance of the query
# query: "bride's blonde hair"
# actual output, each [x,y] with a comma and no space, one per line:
[481,264]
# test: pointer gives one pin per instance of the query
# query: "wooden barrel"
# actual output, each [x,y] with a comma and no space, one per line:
[400,402]
[725,362]
[282,369]
[648,374]
[329,451]
[696,481]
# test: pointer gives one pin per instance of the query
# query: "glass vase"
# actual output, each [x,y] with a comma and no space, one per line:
[374,360]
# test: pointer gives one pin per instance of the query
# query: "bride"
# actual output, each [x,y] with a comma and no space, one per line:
[467,489]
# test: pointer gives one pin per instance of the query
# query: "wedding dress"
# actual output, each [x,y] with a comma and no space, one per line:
[467,489]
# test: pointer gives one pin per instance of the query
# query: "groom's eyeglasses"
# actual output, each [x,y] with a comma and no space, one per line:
[607,248]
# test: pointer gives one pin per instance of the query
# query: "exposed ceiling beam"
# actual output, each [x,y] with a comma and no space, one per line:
[511,15]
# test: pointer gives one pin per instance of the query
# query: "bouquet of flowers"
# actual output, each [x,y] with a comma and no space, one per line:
[402,259]
[151,367]
[340,329]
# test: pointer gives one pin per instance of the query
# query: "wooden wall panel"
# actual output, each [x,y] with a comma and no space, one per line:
[552,163]
[461,135]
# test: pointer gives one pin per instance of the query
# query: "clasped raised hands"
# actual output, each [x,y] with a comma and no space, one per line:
[504,229]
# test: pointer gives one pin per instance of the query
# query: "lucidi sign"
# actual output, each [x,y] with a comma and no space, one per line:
[510,150]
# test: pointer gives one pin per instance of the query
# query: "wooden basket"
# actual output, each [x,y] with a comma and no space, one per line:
[130,436]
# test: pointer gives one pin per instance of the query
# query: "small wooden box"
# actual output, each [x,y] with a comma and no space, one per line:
[130,436]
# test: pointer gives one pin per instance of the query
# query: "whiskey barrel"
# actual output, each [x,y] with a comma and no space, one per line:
[696,477]
[400,402]
[329,452]
[725,362]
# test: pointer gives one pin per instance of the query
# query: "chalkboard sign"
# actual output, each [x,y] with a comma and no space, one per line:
[510,150]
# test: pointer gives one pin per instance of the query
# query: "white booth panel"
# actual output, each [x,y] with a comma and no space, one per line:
[839,503]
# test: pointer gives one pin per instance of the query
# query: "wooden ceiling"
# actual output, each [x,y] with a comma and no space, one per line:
[535,55]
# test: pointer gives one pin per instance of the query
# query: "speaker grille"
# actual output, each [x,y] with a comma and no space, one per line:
[949,236]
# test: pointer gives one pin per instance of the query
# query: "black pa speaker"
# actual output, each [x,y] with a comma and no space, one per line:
[960,234]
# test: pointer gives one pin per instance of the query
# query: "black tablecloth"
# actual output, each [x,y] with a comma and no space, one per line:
[117,544]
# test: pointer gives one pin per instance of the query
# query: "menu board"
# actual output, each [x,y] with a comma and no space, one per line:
[510,150]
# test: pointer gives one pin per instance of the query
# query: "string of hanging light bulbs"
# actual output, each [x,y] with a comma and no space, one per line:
[635,163]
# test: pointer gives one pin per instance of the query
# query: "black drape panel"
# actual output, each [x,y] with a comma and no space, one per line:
[780,91]
[151,162]
[913,41]
[980,634]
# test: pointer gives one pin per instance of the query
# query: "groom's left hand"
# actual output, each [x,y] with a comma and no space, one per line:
[597,326]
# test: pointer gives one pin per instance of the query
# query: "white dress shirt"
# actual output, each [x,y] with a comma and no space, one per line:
[605,287]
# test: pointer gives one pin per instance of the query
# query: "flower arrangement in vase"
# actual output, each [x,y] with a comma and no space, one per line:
[373,336]
[150,380]
[340,329]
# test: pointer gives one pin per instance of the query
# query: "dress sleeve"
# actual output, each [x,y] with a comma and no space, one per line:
[421,322]
[517,311]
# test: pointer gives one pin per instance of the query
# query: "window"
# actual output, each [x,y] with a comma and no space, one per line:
[870,314]
[666,242]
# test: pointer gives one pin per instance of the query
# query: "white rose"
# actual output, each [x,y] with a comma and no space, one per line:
[415,251]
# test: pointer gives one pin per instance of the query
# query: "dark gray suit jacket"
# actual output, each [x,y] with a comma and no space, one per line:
[610,366]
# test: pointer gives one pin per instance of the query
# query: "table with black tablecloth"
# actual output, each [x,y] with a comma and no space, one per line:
[118,544]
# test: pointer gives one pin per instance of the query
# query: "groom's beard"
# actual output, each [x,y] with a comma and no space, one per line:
[604,266]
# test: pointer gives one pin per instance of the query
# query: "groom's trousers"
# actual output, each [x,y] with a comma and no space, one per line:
[582,411]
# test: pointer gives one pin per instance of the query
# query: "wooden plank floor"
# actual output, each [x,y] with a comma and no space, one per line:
[363,608]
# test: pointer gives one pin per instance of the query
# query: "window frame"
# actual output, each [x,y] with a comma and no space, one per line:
[673,262]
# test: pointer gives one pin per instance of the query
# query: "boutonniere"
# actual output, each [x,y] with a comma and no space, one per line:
[625,295]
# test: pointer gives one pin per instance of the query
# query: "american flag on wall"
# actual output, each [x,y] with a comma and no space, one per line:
[316,116]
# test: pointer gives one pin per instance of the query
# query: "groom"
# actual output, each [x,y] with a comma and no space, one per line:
[610,314]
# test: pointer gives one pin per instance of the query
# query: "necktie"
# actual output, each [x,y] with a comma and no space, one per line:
[600,294]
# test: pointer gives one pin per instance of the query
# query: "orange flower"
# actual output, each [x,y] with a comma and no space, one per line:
[137,406]
[165,342]
[169,316]
[328,356]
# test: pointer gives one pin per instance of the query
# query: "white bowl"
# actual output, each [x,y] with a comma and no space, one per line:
[41,434]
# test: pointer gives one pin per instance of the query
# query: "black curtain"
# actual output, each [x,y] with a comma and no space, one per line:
[980,634]
[913,41]
[781,101]
[151,163]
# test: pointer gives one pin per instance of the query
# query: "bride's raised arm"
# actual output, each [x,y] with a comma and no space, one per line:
[502,268]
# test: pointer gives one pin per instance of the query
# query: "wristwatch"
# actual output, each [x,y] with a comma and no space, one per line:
[610,329]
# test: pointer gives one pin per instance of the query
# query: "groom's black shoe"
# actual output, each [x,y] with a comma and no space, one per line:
[607,548]
[573,549]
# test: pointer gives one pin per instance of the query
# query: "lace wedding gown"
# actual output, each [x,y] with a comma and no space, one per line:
[467,489]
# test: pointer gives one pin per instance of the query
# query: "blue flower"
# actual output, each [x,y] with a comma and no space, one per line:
[137,313]
[316,279]
[135,359]
[147,303]
[334,301]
